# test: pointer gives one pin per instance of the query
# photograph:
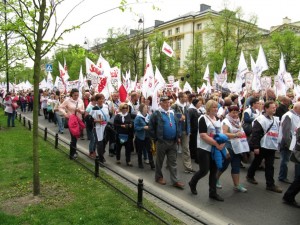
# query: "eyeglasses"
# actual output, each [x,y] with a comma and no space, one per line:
[125,108]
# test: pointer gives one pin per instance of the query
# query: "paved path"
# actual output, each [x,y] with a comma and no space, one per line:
[258,206]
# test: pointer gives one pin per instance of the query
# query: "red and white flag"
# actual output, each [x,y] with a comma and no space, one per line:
[167,49]
[63,73]
[148,82]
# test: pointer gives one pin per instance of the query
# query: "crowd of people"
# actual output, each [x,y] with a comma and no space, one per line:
[254,126]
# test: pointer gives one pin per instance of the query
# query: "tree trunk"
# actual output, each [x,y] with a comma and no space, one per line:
[36,77]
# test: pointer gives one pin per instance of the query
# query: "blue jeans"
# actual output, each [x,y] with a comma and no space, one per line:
[235,161]
[60,122]
[11,117]
[285,158]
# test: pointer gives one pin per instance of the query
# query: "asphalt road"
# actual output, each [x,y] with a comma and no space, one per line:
[257,206]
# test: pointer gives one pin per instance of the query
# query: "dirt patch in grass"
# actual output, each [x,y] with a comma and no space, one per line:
[52,196]
[15,206]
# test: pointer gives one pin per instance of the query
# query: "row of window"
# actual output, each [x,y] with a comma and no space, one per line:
[177,30]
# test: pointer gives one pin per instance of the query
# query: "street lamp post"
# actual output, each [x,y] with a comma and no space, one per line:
[86,42]
[143,45]
[6,48]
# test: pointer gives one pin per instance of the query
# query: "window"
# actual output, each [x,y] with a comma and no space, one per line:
[178,44]
[199,26]
[177,30]
[163,33]
[169,32]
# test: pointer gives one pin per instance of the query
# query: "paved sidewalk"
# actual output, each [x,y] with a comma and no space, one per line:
[258,206]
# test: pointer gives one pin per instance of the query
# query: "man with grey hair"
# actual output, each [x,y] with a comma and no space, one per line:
[290,122]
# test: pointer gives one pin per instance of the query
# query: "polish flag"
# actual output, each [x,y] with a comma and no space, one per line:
[167,49]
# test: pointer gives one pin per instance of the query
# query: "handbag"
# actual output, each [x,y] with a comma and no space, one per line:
[123,138]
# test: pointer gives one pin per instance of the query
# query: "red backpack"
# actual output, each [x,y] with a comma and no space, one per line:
[75,125]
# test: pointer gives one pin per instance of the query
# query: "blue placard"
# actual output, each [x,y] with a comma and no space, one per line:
[49,67]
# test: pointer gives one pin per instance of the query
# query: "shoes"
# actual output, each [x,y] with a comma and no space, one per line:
[218,184]
[161,181]
[216,197]
[75,156]
[240,188]
[287,181]
[93,155]
[193,188]
[129,164]
[251,180]
[179,185]
[146,161]
[291,203]
[118,162]
[242,166]
[274,188]
[189,171]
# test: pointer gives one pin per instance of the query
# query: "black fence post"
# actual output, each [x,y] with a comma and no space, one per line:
[20,117]
[45,134]
[140,187]
[97,166]
[29,124]
[56,140]
[24,121]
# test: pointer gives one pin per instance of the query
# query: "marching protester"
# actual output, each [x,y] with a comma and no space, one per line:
[290,122]
[142,139]
[181,112]
[10,109]
[59,116]
[164,129]
[44,100]
[208,125]
[236,145]
[124,128]
[264,143]
[72,106]
[90,124]
[101,117]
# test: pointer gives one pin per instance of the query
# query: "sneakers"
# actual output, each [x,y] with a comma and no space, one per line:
[218,184]
[274,188]
[240,188]
[146,161]
[251,180]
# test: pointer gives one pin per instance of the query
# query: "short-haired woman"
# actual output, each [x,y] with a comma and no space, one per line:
[124,128]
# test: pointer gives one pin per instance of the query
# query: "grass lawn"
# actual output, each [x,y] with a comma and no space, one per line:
[69,194]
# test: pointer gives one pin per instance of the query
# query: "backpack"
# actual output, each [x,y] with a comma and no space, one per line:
[75,125]
[89,121]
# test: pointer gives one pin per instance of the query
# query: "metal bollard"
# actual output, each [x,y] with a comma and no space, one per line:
[56,140]
[29,125]
[24,121]
[45,134]
[97,166]
[140,193]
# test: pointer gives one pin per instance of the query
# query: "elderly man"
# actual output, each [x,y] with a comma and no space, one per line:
[290,122]
[163,128]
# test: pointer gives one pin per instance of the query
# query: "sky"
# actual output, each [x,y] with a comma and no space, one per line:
[269,13]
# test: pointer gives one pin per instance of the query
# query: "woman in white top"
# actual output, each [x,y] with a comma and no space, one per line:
[208,126]
[44,103]
[9,110]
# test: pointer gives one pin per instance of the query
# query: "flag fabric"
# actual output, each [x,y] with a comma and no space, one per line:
[216,77]
[299,76]
[223,73]
[96,74]
[80,82]
[261,64]
[206,74]
[63,73]
[187,87]
[148,82]
[122,93]
[281,69]
[49,81]
[65,65]
[253,66]
[242,67]
[167,49]
[159,81]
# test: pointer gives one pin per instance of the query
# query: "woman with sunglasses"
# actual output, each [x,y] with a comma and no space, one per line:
[124,128]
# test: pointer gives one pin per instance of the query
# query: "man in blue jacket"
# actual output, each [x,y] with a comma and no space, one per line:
[164,129]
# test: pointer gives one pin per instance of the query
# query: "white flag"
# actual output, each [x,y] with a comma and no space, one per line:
[148,82]
[261,62]
[281,69]
[159,81]
[167,49]
[187,87]
[224,73]
[299,76]
[253,67]
[242,67]
[63,73]
[206,74]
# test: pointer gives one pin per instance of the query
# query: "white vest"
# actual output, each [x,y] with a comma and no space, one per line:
[295,122]
[239,145]
[212,129]
[270,139]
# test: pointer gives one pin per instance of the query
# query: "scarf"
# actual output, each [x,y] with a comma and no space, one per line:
[123,116]
[164,111]
[193,107]
[146,118]
[234,122]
